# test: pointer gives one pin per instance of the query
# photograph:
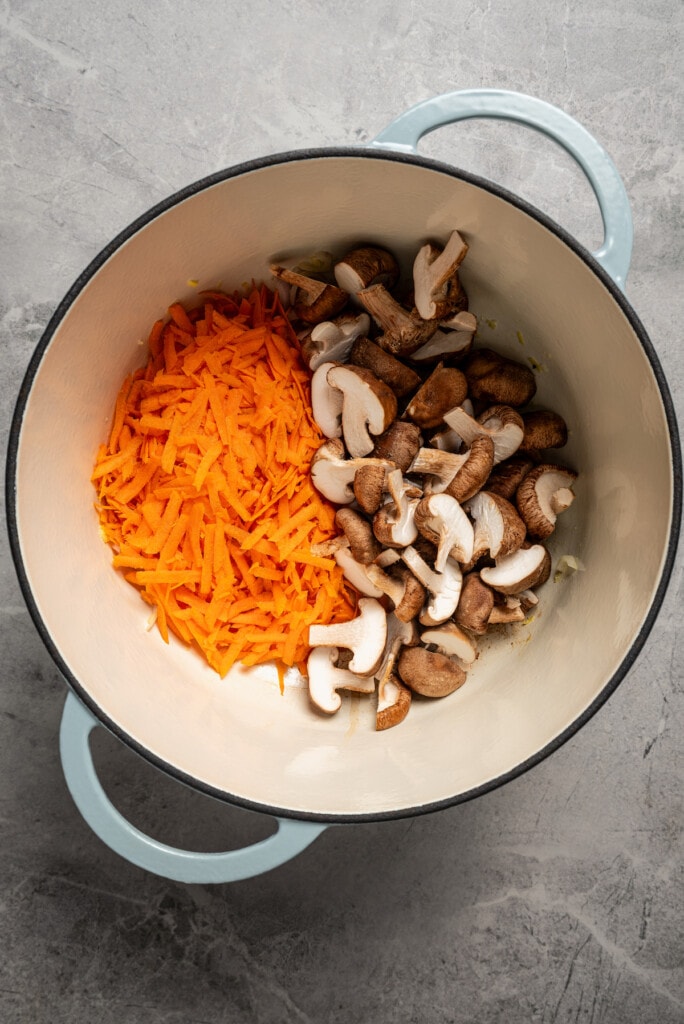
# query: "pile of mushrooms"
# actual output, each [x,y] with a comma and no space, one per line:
[445,485]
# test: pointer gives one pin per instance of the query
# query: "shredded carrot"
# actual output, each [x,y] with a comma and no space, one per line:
[204,490]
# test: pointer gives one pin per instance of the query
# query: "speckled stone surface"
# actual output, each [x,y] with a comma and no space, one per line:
[558,898]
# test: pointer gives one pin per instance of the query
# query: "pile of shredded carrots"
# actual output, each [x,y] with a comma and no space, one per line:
[204,489]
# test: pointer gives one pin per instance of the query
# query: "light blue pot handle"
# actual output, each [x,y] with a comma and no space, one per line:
[180,865]
[405,132]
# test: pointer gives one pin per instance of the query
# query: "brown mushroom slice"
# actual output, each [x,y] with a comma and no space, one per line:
[543,429]
[394,705]
[326,401]
[495,378]
[435,277]
[475,470]
[364,635]
[399,377]
[316,301]
[332,340]
[404,331]
[325,679]
[394,523]
[355,572]
[504,425]
[507,476]
[445,388]
[369,485]
[438,465]
[358,531]
[503,614]
[429,673]
[544,493]
[365,266]
[455,343]
[475,604]
[394,699]
[498,527]
[368,406]
[525,568]
[333,475]
[449,639]
[444,587]
[406,593]
[399,444]
[440,519]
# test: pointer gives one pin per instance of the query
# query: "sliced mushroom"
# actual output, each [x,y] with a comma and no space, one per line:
[444,587]
[332,340]
[525,568]
[497,379]
[406,593]
[445,388]
[334,475]
[399,444]
[362,541]
[505,478]
[355,572]
[454,343]
[365,635]
[369,485]
[394,523]
[394,704]
[544,493]
[429,673]
[394,699]
[502,423]
[365,266]
[439,466]
[404,331]
[368,406]
[543,429]
[475,604]
[399,377]
[325,679]
[440,519]
[498,527]
[316,301]
[449,639]
[435,277]
[477,466]
[326,401]
[502,614]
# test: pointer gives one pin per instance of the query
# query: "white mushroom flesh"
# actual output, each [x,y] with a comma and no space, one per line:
[326,402]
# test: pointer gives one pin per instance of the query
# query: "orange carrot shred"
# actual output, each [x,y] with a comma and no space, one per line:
[204,490]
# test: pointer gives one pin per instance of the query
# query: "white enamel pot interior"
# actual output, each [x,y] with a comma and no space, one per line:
[539,296]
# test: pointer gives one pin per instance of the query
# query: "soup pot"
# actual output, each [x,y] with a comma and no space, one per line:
[239,739]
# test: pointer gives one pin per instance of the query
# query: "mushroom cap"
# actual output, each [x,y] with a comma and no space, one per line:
[399,444]
[315,301]
[475,604]
[445,388]
[502,614]
[507,476]
[475,470]
[358,531]
[525,568]
[500,422]
[440,465]
[364,266]
[543,429]
[365,635]
[334,476]
[440,518]
[332,340]
[368,407]
[497,379]
[536,497]
[498,527]
[325,679]
[435,277]
[450,640]
[401,586]
[326,401]
[394,706]
[429,673]
[399,377]
[369,485]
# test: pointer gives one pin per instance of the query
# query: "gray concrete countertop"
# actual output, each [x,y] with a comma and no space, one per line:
[556,898]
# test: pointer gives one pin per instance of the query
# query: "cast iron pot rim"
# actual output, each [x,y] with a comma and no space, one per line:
[246,168]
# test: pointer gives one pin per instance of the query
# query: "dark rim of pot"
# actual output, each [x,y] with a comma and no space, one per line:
[366,154]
